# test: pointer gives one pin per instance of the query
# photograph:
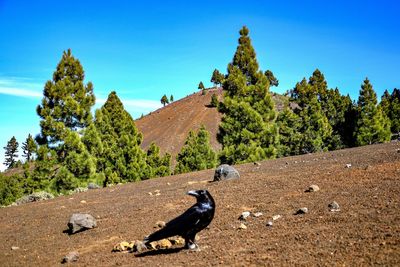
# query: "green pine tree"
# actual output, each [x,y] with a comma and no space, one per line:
[214,101]
[29,148]
[289,124]
[271,78]
[196,154]
[372,125]
[122,159]
[201,86]
[217,78]
[66,103]
[158,166]
[248,131]
[11,153]
[164,100]
[171,99]
[390,105]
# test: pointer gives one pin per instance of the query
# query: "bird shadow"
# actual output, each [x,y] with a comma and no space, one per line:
[159,252]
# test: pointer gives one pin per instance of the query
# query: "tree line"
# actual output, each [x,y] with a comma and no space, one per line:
[75,148]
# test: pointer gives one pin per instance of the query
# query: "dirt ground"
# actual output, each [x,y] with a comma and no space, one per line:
[365,232]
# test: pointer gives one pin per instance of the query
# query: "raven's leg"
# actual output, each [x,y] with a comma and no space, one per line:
[190,241]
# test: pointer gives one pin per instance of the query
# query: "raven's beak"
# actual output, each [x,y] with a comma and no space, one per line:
[193,193]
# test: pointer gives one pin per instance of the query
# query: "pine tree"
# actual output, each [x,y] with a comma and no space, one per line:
[372,124]
[214,101]
[271,78]
[122,159]
[248,131]
[390,105]
[29,147]
[201,86]
[290,137]
[158,166]
[66,103]
[164,100]
[217,78]
[171,99]
[11,153]
[196,154]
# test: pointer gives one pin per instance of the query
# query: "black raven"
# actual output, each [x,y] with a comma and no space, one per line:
[188,224]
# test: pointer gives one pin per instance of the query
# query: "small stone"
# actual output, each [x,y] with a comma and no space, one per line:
[313,188]
[14,248]
[139,246]
[83,201]
[242,226]
[301,211]
[70,257]
[257,163]
[258,214]
[93,186]
[163,244]
[150,193]
[157,194]
[177,240]
[276,217]
[348,165]
[159,224]
[168,183]
[123,246]
[334,206]
[269,223]
[244,215]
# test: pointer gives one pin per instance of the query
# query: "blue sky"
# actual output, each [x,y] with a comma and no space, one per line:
[144,49]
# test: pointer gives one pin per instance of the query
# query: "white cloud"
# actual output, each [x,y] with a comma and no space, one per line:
[21,87]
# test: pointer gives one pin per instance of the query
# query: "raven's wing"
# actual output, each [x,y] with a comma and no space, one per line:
[179,225]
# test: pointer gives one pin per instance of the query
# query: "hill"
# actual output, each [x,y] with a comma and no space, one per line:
[169,126]
[365,232]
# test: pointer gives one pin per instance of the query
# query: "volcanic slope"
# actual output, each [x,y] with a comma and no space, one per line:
[169,126]
[364,181]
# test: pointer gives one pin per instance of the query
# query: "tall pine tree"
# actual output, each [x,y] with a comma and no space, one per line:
[158,166]
[248,130]
[372,125]
[66,102]
[122,159]
[11,153]
[29,148]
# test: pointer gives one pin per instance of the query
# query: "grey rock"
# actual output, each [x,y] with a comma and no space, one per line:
[301,211]
[93,186]
[312,188]
[70,257]
[258,214]
[226,172]
[244,215]
[334,206]
[36,196]
[80,189]
[80,222]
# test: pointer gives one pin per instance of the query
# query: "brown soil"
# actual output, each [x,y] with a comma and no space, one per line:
[366,231]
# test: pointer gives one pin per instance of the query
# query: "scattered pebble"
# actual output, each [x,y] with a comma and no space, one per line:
[123,246]
[150,193]
[177,240]
[269,223]
[139,246]
[276,217]
[348,165]
[70,257]
[334,206]
[83,201]
[313,188]
[163,244]
[257,163]
[244,215]
[14,248]
[168,183]
[302,211]
[159,224]
[257,214]
[242,226]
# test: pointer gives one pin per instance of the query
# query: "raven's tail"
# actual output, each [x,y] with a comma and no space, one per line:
[158,235]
